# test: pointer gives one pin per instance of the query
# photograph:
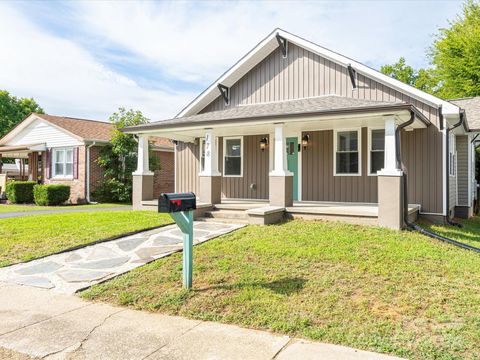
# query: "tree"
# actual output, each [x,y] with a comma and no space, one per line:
[423,79]
[14,110]
[455,54]
[119,158]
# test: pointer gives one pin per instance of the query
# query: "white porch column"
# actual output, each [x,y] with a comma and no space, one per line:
[280,153]
[390,165]
[280,179]
[390,182]
[143,158]
[210,177]
[142,187]
[211,160]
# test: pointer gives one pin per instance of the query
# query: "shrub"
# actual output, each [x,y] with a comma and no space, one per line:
[52,194]
[113,190]
[20,192]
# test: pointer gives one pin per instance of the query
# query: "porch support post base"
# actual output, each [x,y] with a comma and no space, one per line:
[390,201]
[210,189]
[142,189]
[281,190]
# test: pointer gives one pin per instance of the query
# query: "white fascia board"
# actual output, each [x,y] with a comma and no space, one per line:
[18,129]
[267,45]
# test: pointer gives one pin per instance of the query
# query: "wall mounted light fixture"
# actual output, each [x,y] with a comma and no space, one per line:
[263,143]
[305,141]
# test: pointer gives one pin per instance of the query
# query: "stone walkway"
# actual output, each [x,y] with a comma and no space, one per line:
[14,214]
[78,269]
[48,325]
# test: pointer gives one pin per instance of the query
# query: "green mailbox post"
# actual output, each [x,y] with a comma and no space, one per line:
[181,206]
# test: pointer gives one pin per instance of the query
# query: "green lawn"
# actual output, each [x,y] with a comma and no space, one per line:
[4,208]
[469,234]
[392,292]
[29,237]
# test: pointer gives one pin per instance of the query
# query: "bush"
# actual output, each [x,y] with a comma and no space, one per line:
[52,194]
[113,190]
[20,192]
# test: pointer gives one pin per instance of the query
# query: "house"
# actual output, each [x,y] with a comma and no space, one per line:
[64,150]
[294,129]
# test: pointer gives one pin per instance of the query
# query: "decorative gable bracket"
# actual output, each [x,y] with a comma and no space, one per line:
[353,77]
[225,92]
[282,42]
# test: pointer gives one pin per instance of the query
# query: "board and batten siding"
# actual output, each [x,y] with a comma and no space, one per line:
[305,74]
[462,169]
[252,185]
[318,181]
[39,132]
[254,182]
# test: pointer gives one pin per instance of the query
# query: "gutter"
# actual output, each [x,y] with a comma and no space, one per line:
[87,167]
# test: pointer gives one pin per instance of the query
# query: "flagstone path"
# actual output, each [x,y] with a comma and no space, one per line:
[72,271]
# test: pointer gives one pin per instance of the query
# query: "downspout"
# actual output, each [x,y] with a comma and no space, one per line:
[88,171]
[447,167]
[405,195]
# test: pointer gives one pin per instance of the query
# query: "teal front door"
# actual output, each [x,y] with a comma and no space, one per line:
[292,163]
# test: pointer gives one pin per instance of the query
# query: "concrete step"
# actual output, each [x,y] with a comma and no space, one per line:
[226,214]
[239,206]
[223,221]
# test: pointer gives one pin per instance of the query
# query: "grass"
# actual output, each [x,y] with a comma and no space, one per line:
[469,233]
[392,292]
[4,208]
[30,237]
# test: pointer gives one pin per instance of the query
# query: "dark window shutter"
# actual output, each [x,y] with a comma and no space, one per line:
[48,163]
[75,163]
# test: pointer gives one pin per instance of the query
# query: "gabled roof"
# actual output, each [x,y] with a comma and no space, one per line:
[320,105]
[471,105]
[270,43]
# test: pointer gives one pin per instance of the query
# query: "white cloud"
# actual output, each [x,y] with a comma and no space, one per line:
[66,79]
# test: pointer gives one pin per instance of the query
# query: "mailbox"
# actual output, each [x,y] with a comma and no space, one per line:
[175,202]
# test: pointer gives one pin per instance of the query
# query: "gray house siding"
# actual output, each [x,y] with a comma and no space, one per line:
[304,74]
[187,167]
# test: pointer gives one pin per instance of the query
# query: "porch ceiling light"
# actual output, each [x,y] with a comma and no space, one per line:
[263,143]
[305,140]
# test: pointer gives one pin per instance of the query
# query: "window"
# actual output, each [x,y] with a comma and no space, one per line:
[232,156]
[451,155]
[62,164]
[377,151]
[347,156]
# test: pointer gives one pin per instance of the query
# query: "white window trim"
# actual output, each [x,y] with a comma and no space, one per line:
[201,140]
[369,149]
[452,156]
[52,162]
[359,138]
[225,138]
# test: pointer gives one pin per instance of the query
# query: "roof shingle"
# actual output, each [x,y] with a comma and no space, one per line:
[471,106]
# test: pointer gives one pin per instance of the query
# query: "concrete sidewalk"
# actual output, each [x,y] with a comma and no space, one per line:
[45,324]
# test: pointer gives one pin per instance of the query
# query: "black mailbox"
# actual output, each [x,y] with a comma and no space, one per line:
[175,202]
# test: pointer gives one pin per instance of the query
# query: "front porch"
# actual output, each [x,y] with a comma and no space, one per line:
[261,212]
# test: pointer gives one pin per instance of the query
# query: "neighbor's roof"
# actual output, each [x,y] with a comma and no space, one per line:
[321,105]
[267,45]
[82,128]
[471,105]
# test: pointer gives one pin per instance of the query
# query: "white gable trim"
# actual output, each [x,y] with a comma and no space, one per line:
[267,45]
[27,122]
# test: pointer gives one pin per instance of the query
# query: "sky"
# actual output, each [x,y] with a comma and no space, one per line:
[86,59]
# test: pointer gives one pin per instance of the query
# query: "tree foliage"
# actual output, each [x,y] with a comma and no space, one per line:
[13,110]
[423,79]
[119,158]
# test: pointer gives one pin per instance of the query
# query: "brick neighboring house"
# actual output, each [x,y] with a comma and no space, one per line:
[64,150]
